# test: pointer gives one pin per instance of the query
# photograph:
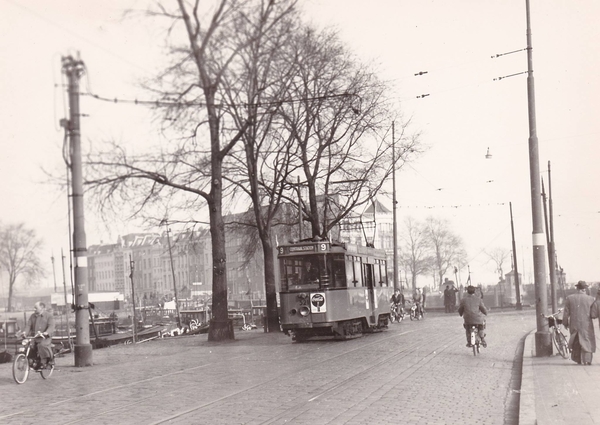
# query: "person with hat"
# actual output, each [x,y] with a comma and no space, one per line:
[577,317]
[472,310]
[40,326]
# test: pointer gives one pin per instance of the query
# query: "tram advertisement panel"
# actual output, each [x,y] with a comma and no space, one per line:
[318,302]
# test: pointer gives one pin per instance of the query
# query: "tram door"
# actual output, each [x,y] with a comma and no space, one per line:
[369,284]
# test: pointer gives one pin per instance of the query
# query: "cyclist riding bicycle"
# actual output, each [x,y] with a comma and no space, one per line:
[472,311]
[419,300]
[398,301]
[41,326]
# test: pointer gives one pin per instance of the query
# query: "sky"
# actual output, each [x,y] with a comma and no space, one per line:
[468,110]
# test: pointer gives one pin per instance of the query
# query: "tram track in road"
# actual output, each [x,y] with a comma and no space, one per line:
[299,409]
[405,350]
[150,385]
[284,374]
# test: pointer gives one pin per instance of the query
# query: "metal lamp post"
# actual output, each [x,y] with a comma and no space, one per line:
[543,343]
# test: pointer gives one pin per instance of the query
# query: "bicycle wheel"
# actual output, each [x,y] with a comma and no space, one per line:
[20,369]
[474,342]
[560,341]
[47,372]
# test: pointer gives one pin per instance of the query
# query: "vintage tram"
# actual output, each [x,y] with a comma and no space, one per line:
[332,289]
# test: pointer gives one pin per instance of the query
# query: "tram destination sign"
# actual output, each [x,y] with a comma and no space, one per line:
[301,248]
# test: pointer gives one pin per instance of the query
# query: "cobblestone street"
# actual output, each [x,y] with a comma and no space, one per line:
[415,372]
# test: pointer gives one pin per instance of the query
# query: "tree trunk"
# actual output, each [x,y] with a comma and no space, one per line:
[220,328]
[11,285]
[270,287]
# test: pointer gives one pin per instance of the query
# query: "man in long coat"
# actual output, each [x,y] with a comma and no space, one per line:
[41,322]
[472,311]
[447,299]
[577,317]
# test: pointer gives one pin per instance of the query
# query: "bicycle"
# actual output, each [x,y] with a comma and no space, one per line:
[396,313]
[475,339]
[558,338]
[27,359]
[416,312]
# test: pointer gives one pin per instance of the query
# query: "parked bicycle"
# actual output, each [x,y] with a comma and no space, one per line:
[558,337]
[27,359]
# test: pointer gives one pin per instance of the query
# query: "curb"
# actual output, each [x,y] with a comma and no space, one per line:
[527,414]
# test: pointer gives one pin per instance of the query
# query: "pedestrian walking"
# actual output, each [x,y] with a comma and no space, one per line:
[579,310]
[453,292]
[447,299]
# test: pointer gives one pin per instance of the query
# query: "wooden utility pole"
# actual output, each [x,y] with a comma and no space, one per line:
[53,271]
[394,219]
[553,300]
[519,306]
[73,69]
[133,319]
[173,272]
[67,304]
[551,246]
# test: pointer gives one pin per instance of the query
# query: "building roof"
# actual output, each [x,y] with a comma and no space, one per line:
[378,207]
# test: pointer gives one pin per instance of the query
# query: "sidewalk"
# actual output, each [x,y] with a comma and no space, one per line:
[558,391]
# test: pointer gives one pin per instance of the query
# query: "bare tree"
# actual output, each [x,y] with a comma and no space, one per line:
[414,249]
[337,125]
[19,249]
[273,151]
[188,171]
[261,166]
[447,247]
[498,255]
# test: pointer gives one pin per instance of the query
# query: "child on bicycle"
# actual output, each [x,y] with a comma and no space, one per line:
[472,310]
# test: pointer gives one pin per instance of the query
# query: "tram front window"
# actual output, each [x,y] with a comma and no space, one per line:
[301,274]
[310,273]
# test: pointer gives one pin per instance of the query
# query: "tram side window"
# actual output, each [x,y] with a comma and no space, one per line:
[339,271]
[354,271]
[377,280]
[383,276]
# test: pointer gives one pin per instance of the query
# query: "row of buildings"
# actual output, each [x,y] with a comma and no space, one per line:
[151,262]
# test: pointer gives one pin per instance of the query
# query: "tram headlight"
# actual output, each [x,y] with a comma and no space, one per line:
[304,311]
[293,312]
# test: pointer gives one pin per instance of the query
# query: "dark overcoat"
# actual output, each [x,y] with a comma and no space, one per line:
[577,316]
[472,309]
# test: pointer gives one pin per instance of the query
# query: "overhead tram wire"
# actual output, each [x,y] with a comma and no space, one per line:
[422,73]
[173,102]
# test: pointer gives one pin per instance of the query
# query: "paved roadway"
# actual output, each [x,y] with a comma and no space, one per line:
[415,372]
